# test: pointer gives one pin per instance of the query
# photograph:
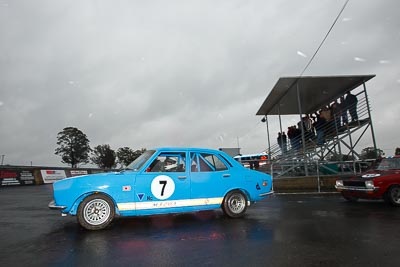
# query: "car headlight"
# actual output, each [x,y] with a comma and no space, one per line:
[339,183]
[369,184]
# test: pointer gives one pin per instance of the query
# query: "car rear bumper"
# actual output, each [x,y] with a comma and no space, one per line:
[53,206]
[266,194]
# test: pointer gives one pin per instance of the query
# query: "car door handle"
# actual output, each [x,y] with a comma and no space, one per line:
[226,175]
[181,177]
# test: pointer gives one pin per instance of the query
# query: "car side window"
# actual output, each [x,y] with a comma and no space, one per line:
[199,164]
[194,163]
[219,164]
[168,162]
[205,166]
[210,162]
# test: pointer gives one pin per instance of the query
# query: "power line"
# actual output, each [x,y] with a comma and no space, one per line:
[326,36]
[322,42]
[316,51]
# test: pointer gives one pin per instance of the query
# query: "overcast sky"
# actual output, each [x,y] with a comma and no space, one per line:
[149,73]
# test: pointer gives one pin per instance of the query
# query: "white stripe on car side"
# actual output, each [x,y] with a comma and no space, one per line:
[169,203]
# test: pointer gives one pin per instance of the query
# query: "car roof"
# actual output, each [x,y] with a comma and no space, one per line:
[231,160]
[175,149]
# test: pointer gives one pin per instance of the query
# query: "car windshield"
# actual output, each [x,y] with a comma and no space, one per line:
[140,161]
[388,164]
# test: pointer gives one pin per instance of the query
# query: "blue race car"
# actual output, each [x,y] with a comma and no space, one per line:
[160,181]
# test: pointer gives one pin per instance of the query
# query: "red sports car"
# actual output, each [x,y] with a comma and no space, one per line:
[382,181]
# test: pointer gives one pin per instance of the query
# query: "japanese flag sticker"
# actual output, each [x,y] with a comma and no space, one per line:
[126,188]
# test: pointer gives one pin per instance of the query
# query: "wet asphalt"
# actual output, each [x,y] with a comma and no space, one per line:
[283,230]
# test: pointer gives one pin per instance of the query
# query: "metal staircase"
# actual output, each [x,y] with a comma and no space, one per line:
[338,140]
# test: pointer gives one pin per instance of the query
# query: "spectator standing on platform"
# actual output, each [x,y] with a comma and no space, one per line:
[279,140]
[290,136]
[284,142]
[306,122]
[319,128]
[343,110]
[351,103]
[327,115]
[335,111]
[297,137]
[294,137]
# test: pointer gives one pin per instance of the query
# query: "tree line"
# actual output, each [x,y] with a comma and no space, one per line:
[74,149]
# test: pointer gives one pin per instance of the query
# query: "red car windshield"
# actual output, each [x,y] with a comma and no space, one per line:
[388,164]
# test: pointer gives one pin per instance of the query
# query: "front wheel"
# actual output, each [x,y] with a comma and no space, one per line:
[393,195]
[235,204]
[96,212]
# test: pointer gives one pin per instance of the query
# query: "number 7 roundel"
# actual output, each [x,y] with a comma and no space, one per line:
[162,187]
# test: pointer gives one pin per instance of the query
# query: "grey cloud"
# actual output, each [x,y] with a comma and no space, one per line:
[155,73]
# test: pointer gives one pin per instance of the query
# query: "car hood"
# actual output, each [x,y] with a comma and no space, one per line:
[375,174]
[89,177]
[90,180]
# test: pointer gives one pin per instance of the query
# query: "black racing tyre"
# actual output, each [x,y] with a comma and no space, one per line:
[393,195]
[349,197]
[234,204]
[96,212]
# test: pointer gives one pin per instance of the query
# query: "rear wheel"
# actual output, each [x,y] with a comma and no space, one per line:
[235,204]
[96,212]
[393,195]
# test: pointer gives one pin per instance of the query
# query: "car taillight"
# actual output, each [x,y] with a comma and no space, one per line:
[265,183]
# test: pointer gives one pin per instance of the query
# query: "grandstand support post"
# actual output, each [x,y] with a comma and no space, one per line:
[272,173]
[351,146]
[303,139]
[280,127]
[370,119]
[337,137]
[269,143]
[318,180]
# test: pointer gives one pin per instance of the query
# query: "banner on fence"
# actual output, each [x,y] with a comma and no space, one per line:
[51,176]
[16,177]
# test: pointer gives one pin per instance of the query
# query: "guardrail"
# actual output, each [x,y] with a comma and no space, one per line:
[317,168]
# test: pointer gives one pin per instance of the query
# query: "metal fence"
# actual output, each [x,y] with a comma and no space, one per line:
[293,168]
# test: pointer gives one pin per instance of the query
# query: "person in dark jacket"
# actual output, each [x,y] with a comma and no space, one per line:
[284,142]
[343,111]
[319,126]
[351,104]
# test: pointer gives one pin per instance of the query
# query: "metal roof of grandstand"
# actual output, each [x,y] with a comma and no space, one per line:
[315,92]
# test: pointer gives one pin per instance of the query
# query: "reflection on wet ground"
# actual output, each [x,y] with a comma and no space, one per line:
[283,230]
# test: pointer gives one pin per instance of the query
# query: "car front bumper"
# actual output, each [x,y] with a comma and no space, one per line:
[53,206]
[358,189]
